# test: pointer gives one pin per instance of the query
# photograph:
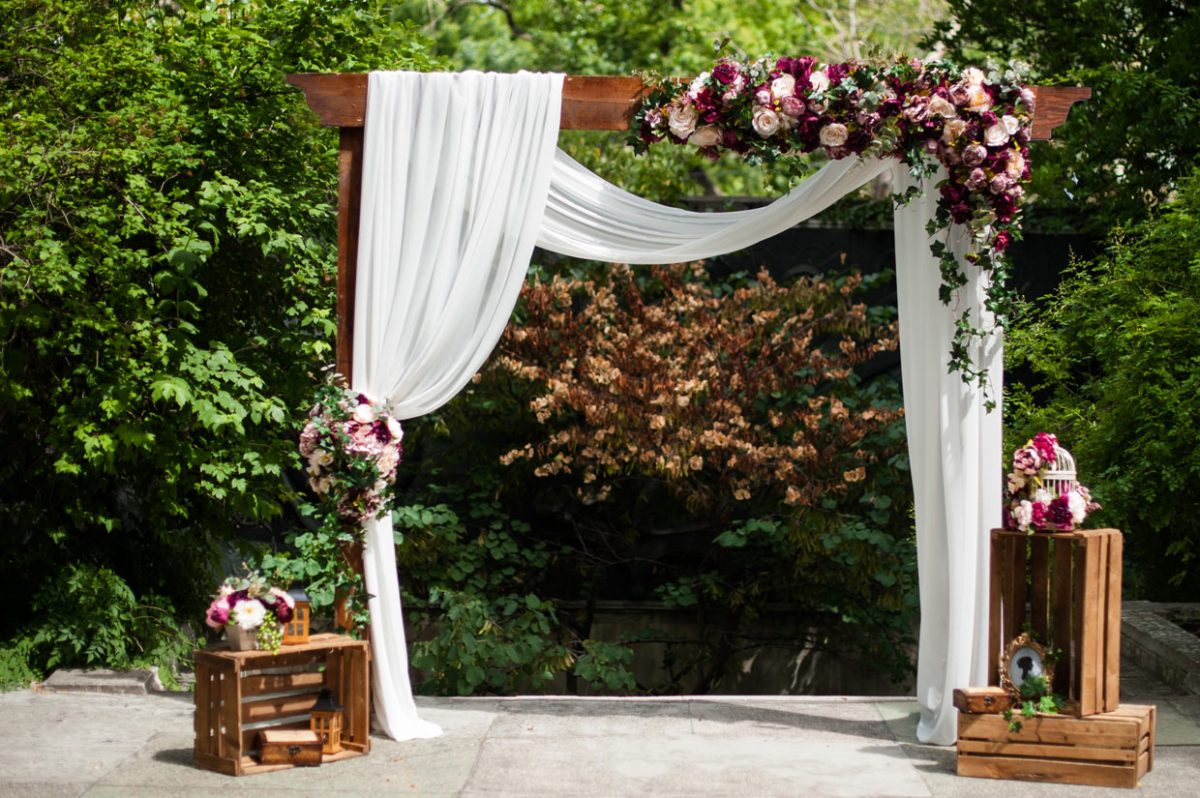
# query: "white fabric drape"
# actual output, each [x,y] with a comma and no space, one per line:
[455,173]
[456,184]
[954,451]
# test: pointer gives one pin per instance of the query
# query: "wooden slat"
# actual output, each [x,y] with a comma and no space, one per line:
[1043,750]
[271,708]
[281,682]
[1062,638]
[995,619]
[231,699]
[1099,614]
[1048,770]
[1039,581]
[320,642]
[1099,730]
[1089,596]
[1112,652]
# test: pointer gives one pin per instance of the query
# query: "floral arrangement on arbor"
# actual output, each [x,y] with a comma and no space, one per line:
[1033,503]
[927,114]
[250,603]
[352,446]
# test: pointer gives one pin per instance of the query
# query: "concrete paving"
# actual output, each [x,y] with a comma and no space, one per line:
[119,745]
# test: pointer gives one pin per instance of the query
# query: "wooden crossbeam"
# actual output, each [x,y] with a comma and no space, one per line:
[589,102]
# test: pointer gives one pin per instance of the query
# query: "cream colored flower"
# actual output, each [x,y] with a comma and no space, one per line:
[766,122]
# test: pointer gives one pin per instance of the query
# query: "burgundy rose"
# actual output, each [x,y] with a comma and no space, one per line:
[960,213]
[1003,239]
[725,73]
[282,611]
[1059,513]
[952,193]
[1004,206]
[837,73]
[218,614]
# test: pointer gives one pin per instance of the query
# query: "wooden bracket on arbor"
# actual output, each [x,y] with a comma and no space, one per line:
[588,103]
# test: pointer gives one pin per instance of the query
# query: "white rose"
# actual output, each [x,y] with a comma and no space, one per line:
[942,107]
[249,613]
[682,120]
[1011,124]
[397,432]
[953,129]
[766,122]
[364,414]
[783,86]
[973,76]
[706,136]
[819,81]
[833,135]
[995,135]
[1015,166]
[1022,514]
[978,100]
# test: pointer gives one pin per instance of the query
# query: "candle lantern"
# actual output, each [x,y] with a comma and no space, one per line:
[295,631]
[327,722]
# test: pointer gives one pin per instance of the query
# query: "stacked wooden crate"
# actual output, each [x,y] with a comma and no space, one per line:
[1066,588]
[240,693]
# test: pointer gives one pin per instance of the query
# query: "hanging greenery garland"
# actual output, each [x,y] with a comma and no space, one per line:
[926,114]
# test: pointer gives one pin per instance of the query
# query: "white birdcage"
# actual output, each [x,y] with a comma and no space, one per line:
[1060,477]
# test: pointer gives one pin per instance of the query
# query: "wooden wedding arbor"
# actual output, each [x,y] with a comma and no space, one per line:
[588,103]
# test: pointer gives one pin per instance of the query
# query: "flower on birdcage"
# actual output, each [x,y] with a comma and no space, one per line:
[1037,502]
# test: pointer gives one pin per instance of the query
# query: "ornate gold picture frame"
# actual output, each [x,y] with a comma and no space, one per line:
[1024,658]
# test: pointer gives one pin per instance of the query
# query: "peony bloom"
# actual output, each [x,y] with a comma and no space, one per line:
[940,106]
[978,100]
[706,136]
[1046,445]
[218,613]
[699,84]
[819,81]
[734,89]
[783,86]
[726,73]
[766,122]
[682,119]
[973,76]
[834,134]
[974,154]
[1026,461]
[1037,515]
[977,180]
[1015,166]
[1078,505]
[1059,513]
[397,432]
[364,414]
[1011,124]
[249,613]
[792,106]
[953,129]
[959,94]
[1000,183]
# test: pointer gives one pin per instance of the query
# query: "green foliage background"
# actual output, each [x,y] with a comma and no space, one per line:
[166,241]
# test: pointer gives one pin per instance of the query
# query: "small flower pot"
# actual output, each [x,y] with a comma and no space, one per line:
[241,639]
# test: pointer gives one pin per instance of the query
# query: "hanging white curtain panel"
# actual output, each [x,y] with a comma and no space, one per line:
[461,177]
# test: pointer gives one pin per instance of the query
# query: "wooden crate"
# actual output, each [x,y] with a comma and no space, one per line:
[1113,749]
[239,693]
[1067,586]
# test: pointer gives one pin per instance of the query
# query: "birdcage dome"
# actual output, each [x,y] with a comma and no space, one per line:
[1061,476]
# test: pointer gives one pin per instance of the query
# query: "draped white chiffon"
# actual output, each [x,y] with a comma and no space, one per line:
[460,178]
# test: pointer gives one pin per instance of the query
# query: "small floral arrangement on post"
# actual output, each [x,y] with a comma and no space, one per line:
[926,114]
[1038,503]
[249,604]
[352,447]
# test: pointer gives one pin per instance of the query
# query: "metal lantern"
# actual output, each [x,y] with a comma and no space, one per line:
[1060,477]
[295,631]
[326,721]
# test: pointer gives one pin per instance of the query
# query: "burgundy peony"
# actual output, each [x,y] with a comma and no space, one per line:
[725,73]
[1038,518]
[1046,445]
[1059,512]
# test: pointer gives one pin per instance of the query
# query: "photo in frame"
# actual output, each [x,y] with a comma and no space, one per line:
[1024,658]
